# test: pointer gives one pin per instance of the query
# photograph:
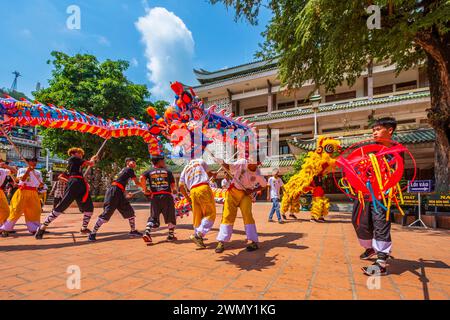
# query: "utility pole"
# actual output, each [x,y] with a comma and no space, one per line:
[14,84]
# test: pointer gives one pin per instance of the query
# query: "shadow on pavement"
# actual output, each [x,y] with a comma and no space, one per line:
[259,259]
[400,266]
[79,240]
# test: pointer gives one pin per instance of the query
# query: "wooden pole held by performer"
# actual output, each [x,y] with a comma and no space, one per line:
[96,155]
[16,149]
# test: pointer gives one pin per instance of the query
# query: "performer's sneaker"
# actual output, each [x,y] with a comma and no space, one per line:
[147,238]
[92,237]
[220,247]
[85,231]
[270,220]
[280,221]
[135,233]
[252,247]
[293,216]
[198,240]
[375,269]
[366,255]
[39,234]
[171,237]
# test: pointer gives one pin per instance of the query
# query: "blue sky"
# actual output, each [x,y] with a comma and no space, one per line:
[163,39]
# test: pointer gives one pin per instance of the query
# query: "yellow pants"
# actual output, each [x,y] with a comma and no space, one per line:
[319,208]
[43,198]
[203,208]
[24,202]
[235,199]
[4,207]
[291,206]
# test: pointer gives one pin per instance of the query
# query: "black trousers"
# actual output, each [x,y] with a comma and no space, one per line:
[162,204]
[56,201]
[372,229]
[115,200]
[75,191]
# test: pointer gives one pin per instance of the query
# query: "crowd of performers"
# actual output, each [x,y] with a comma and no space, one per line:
[197,185]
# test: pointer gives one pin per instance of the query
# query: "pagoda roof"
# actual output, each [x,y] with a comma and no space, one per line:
[209,77]
[416,136]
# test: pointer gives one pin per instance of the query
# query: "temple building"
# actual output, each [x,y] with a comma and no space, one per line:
[253,91]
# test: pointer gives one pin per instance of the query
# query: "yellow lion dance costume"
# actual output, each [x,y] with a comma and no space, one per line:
[309,179]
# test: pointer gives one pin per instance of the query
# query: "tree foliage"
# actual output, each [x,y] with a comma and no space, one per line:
[296,167]
[328,41]
[15,94]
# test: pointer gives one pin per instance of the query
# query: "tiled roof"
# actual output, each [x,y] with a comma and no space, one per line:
[286,162]
[207,77]
[404,137]
[339,106]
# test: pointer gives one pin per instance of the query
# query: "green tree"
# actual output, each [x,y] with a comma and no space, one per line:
[329,42]
[83,83]
[296,167]
[15,94]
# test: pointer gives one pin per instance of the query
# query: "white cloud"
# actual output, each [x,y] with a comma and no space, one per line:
[26,33]
[103,41]
[134,63]
[169,49]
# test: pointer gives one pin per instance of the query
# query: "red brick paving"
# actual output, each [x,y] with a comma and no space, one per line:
[297,260]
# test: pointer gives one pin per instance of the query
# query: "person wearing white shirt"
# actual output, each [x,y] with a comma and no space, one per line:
[212,180]
[194,185]
[247,179]
[5,171]
[225,184]
[275,186]
[26,199]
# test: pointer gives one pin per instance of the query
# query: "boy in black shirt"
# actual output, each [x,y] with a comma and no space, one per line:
[117,198]
[77,190]
[372,228]
[162,186]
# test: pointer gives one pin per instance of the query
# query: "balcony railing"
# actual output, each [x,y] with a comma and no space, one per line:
[342,105]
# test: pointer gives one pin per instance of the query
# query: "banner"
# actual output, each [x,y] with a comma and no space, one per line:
[441,200]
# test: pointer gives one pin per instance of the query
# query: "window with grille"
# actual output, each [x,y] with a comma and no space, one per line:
[341,96]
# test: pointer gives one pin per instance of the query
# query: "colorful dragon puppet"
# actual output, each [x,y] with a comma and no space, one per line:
[317,164]
[26,113]
[188,115]
[188,112]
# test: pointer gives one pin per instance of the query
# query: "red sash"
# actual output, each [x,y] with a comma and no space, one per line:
[86,195]
[199,185]
[117,184]
[22,187]
[161,192]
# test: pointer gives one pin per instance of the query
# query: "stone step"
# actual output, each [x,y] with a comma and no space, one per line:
[341,206]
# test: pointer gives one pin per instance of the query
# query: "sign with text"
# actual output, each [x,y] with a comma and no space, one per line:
[410,199]
[441,200]
[420,186]
[59,167]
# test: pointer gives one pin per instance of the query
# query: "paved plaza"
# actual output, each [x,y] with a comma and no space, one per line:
[296,260]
